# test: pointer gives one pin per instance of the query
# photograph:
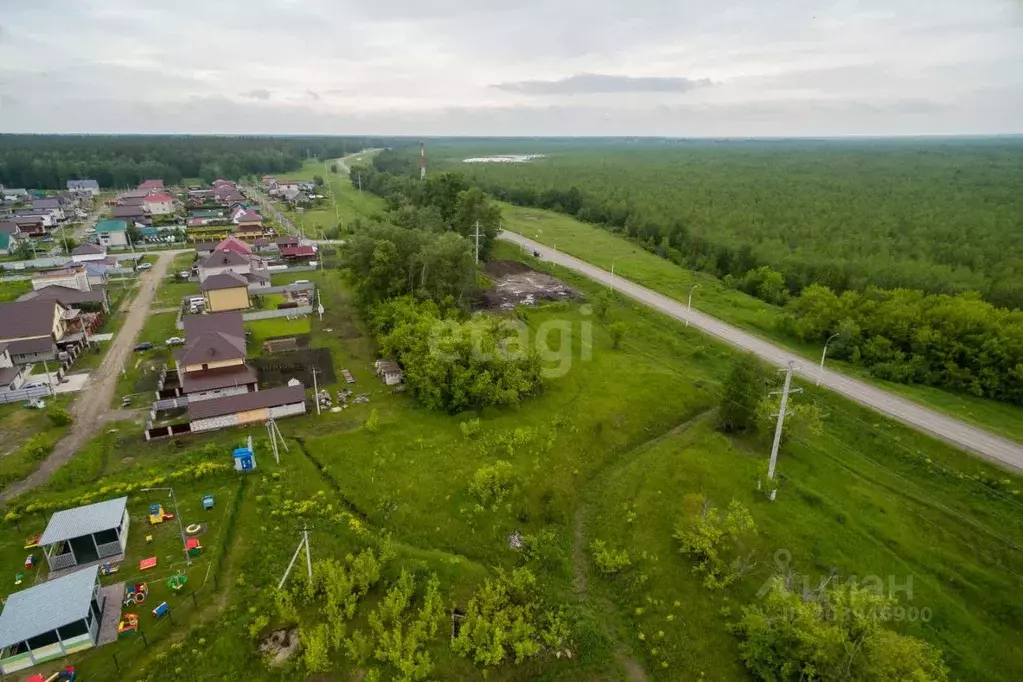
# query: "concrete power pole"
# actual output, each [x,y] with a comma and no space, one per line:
[786,389]
[477,242]
[316,392]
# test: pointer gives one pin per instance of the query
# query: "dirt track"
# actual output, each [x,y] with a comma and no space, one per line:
[91,408]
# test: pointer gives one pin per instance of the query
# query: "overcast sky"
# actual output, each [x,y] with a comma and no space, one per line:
[513,67]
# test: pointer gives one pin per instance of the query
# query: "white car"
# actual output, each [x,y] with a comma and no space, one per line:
[175,341]
[144,266]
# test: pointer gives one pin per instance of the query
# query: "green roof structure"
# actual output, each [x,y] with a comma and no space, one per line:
[107,226]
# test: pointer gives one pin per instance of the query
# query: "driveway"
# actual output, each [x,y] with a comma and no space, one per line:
[91,408]
[995,448]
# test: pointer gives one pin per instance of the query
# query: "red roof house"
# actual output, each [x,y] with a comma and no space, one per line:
[151,184]
[231,243]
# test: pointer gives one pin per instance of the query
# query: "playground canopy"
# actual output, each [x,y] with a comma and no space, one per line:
[84,534]
[50,620]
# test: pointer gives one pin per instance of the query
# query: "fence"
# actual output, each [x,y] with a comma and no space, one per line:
[23,394]
[310,287]
[286,312]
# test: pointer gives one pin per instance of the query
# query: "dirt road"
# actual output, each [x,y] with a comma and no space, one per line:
[92,406]
[972,439]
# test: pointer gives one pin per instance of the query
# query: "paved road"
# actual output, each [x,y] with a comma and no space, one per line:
[995,448]
[92,406]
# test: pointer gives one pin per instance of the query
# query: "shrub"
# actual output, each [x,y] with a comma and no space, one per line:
[609,561]
[58,416]
[714,539]
[373,421]
[470,428]
[490,484]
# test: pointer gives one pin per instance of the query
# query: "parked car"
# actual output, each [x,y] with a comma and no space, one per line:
[144,266]
[145,345]
[175,341]
[184,274]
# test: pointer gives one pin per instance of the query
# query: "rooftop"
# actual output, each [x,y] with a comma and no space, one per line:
[79,521]
[47,606]
[159,197]
[272,397]
[224,280]
[223,258]
[107,226]
[22,319]
[235,375]
[88,249]
[65,295]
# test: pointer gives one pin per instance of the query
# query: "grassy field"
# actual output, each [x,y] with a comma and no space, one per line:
[20,426]
[607,452]
[601,248]
[344,202]
[10,291]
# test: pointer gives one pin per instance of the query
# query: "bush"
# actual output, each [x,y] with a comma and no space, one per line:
[470,428]
[609,561]
[490,484]
[58,416]
[373,421]
[745,388]
[714,539]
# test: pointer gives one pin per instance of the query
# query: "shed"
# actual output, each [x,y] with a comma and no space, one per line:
[51,620]
[84,534]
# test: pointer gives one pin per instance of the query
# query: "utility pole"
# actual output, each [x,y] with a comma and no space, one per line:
[820,372]
[554,257]
[359,175]
[477,242]
[612,285]
[689,305]
[316,392]
[786,389]
[308,553]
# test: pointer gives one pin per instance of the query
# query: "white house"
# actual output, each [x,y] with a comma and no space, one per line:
[159,204]
[87,252]
[112,232]
[73,276]
[12,377]
[90,187]
[51,204]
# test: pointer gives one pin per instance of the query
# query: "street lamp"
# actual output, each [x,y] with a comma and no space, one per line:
[181,528]
[689,305]
[613,261]
[820,372]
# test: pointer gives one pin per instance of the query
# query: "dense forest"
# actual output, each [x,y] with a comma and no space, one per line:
[892,316]
[118,161]
[941,216]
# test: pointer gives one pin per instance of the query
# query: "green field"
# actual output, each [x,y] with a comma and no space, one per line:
[606,452]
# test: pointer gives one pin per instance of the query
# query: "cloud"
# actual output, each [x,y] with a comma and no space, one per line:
[313,95]
[596,83]
[258,93]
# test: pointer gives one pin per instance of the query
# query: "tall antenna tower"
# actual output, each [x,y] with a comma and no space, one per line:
[422,160]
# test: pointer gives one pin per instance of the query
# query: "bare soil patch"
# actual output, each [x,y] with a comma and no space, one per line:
[517,284]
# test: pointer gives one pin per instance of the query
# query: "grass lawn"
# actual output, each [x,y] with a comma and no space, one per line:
[602,248]
[171,292]
[276,327]
[142,369]
[344,202]
[10,291]
[607,451]
[20,426]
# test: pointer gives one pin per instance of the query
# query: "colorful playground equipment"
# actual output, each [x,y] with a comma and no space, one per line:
[32,541]
[108,569]
[161,610]
[147,563]
[68,674]
[129,624]
[207,502]
[193,529]
[177,582]
[158,515]
[193,547]
[30,561]
[18,577]
[135,594]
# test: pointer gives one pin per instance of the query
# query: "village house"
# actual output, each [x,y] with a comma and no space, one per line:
[14,194]
[159,204]
[93,301]
[88,252]
[47,217]
[12,377]
[135,214]
[35,330]
[247,408]
[112,232]
[72,276]
[29,225]
[234,255]
[88,187]
[8,244]
[225,291]
[303,253]
[151,185]
[212,362]
[51,204]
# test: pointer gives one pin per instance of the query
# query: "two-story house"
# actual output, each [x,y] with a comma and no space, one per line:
[159,204]
[86,187]
[52,204]
[212,362]
[112,232]
[72,276]
[33,329]
[234,255]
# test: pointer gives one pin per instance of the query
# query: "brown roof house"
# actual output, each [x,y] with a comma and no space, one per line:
[212,362]
[34,330]
[225,291]
[247,408]
[240,261]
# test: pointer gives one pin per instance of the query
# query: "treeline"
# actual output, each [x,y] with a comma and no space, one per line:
[957,342]
[118,161]
[415,276]
[939,216]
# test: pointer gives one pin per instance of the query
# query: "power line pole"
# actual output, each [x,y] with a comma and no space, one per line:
[477,242]
[308,554]
[786,389]
[316,392]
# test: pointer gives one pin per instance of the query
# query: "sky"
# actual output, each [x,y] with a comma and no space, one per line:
[678,68]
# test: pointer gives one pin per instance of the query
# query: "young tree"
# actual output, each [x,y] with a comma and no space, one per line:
[744,388]
[617,330]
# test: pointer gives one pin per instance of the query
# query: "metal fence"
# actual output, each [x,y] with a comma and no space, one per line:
[310,287]
[23,394]
[270,314]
